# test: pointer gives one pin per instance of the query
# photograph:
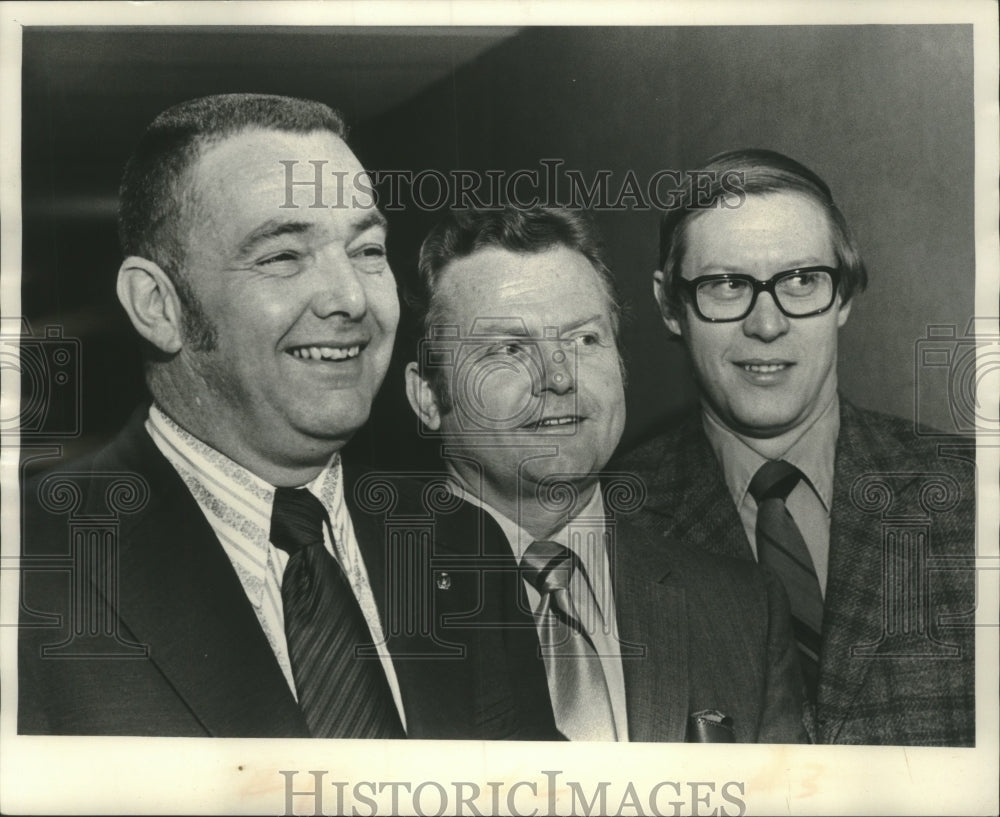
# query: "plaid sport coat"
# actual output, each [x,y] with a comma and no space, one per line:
[897,655]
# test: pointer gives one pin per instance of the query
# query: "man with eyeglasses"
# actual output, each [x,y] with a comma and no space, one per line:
[757,278]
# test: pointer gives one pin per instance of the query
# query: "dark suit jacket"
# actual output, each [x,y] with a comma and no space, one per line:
[454,610]
[897,647]
[713,634]
[134,622]
[698,630]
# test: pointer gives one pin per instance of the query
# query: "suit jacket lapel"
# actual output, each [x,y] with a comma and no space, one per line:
[180,596]
[653,630]
[473,669]
[688,493]
[509,674]
[853,611]
[369,530]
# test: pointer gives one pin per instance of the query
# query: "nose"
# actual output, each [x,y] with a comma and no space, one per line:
[559,371]
[765,322]
[339,288]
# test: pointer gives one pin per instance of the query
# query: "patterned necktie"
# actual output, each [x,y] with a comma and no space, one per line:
[341,695]
[580,699]
[781,547]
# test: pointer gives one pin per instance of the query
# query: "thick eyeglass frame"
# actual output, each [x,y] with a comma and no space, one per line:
[690,289]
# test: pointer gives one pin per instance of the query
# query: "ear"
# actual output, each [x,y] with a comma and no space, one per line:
[421,397]
[844,313]
[672,322]
[148,296]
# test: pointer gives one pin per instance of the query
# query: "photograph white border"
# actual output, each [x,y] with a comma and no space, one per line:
[222,776]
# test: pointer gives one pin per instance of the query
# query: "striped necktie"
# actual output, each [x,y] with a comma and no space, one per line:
[581,702]
[781,547]
[340,694]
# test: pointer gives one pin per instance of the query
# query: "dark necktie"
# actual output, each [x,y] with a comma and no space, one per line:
[781,547]
[580,699]
[341,695]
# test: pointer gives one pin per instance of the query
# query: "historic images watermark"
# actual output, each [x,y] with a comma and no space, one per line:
[551,184]
[91,506]
[48,365]
[546,795]
[964,365]
[49,368]
[471,372]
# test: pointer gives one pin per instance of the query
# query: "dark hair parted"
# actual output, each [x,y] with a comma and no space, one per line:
[155,198]
[530,230]
[519,230]
[747,172]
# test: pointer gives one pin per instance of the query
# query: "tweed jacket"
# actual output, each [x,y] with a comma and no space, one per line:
[897,652]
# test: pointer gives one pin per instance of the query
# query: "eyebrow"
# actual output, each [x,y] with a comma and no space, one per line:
[373,219]
[498,326]
[727,269]
[275,228]
[569,327]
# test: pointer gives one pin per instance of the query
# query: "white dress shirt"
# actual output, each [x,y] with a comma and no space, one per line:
[237,504]
[586,536]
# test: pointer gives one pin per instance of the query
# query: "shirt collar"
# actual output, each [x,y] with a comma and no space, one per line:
[520,540]
[228,480]
[812,453]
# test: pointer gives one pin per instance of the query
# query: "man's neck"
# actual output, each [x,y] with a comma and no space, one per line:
[218,435]
[774,448]
[539,520]
[771,448]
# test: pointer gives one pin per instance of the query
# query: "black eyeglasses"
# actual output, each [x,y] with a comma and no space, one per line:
[798,293]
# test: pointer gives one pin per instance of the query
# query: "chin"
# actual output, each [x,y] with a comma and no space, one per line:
[579,470]
[764,427]
[341,427]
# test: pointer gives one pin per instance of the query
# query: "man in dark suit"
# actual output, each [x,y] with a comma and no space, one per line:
[869,526]
[520,380]
[204,574]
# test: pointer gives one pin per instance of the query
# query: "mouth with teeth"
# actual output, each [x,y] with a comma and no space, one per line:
[554,422]
[326,353]
[763,370]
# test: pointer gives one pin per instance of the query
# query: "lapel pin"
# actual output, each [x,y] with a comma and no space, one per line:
[442,579]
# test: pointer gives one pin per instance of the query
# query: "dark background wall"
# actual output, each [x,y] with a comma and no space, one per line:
[883,113]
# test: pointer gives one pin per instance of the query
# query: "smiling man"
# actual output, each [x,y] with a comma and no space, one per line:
[520,379]
[778,467]
[234,597]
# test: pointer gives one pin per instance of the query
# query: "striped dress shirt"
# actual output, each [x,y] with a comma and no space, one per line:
[237,504]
